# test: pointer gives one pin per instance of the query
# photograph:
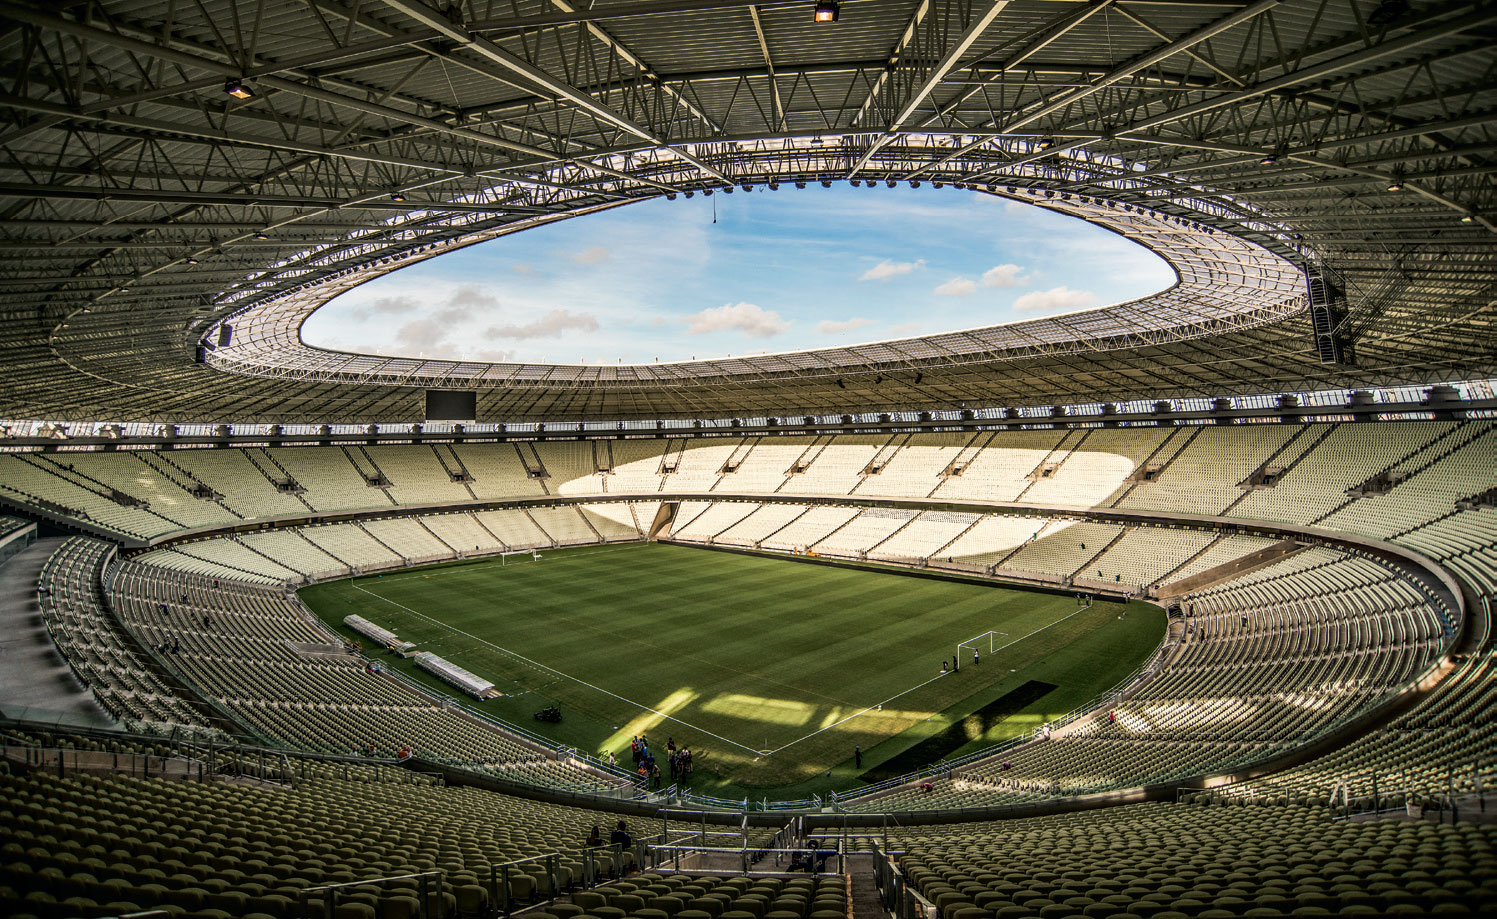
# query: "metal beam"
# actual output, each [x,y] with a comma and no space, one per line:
[487,49]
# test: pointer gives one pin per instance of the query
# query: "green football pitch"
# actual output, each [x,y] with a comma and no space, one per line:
[770,670]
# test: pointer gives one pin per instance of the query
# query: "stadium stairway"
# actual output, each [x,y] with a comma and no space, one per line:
[35,680]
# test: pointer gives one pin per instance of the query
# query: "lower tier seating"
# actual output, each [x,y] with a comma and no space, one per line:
[1188,860]
[255,652]
[1264,663]
[109,844]
[109,662]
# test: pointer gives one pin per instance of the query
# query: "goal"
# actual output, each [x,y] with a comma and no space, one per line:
[504,556]
[986,643]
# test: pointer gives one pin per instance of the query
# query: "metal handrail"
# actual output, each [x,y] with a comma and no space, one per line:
[431,899]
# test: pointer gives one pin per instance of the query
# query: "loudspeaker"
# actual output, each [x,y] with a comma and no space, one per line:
[225,332]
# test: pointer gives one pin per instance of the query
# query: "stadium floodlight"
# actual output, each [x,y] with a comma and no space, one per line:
[191,260]
[261,235]
[1468,218]
[1396,184]
[397,197]
[827,11]
[1268,159]
[238,89]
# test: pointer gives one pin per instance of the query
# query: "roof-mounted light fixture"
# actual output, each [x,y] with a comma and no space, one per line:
[238,89]
[1269,158]
[397,197]
[827,10]
[261,236]
[1468,218]
[1395,184]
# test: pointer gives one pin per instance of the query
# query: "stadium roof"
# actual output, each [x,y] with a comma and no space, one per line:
[1247,142]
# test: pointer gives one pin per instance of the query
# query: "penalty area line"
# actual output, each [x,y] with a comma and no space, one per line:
[859,713]
[540,666]
[879,705]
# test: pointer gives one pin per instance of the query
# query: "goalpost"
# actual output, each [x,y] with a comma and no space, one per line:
[976,642]
[504,556]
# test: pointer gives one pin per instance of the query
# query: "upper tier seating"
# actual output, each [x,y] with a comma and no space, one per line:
[1207,469]
[48,484]
[497,471]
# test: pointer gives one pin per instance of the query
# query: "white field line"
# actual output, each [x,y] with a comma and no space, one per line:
[926,683]
[538,665]
[858,713]
[454,569]
[679,721]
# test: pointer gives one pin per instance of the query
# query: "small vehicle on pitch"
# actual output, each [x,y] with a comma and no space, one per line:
[551,715]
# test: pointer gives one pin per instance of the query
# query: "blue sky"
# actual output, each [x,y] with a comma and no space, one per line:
[779,271]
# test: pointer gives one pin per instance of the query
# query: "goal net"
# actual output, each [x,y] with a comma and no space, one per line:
[504,557]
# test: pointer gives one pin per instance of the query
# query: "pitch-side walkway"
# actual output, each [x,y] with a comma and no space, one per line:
[35,682]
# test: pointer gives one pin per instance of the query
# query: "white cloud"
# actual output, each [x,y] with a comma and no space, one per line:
[522,268]
[1053,299]
[386,306]
[906,328]
[957,287]
[471,295]
[886,269]
[836,326]
[744,318]
[548,326]
[1003,276]
[426,333]
[592,255]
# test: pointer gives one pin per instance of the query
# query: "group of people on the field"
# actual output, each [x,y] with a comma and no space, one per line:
[678,761]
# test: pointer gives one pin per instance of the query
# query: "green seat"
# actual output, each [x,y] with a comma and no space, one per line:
[401,907]
[352,911]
